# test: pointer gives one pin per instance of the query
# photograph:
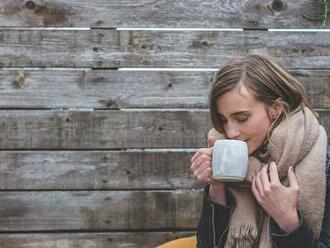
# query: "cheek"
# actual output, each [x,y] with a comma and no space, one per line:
[258,128]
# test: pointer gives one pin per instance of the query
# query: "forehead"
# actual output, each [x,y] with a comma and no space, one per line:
[237,100]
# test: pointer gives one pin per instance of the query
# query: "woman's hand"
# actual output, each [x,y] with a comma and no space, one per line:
[202,169]
[201,162]
[278,201]
[201,165]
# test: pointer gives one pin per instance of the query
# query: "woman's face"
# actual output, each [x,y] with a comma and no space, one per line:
[244,117]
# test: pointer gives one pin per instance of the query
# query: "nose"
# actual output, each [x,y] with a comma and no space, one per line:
[232,131]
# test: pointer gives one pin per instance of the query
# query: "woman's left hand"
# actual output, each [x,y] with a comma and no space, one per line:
[278,201]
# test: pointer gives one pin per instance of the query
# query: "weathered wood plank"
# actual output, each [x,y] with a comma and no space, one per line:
[90,240]
[112,48]
[127,89]
[142,13]
[91,170]
[116,210]
[35,129]
[78,129]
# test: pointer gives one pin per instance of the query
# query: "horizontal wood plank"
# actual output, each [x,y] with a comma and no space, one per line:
[92,170]
[77,129]
[108,89]
[90,240]
[142,13]
[113,49]
[100,210]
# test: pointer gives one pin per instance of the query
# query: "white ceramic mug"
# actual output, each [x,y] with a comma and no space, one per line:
[229,160]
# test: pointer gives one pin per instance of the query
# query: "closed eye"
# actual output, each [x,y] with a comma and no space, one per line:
[242,119]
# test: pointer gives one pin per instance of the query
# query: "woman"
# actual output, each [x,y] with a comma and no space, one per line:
[282,202]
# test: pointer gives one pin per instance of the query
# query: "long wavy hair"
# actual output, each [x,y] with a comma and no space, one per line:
[266,80]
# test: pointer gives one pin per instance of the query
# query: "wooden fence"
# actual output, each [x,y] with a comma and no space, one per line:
[95,156]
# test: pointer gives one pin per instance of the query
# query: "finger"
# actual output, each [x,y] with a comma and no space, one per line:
[196,155]
[255,190]
[215,134]
[211,140]
[205,176]
[209,151]
[200,152]
[197,161]
[258,184]
[264,179]
[200,160]
[202,168]
[273,173]
[292,179]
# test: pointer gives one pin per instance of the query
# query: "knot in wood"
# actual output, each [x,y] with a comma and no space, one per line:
[204,43]
[20,79]
[277,5]
[30,5]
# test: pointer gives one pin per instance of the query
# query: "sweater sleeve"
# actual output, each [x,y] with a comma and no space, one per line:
[301,237]
[213,223]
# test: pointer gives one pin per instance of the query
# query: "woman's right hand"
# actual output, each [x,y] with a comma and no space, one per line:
[202,169]
[202,165]
[201,162]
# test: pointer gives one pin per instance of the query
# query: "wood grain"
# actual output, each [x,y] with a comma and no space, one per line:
[96,170]
[152,13]
[88,129]
[114,49]
[100,210]
[109,89]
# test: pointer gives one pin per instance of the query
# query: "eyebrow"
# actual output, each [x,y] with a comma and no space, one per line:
[237,113]
[240,112]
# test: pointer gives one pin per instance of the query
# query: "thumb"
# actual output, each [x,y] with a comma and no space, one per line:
[209,151]
[211,140]
[292,179]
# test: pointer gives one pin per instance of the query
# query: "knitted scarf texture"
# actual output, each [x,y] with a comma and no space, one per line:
[301,142]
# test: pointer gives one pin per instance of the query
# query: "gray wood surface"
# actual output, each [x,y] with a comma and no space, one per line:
[143,13]
[56,129]
[113,49]
[66,177]
[78,129]
[100,210]
[90,240]
[108,89]
[92,170]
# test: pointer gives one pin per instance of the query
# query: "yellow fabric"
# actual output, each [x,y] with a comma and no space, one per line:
[189,242]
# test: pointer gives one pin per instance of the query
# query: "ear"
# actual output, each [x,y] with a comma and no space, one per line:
[275,109]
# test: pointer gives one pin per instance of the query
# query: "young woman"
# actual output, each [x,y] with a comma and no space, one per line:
[283,201]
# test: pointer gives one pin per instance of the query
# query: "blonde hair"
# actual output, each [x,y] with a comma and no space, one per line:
[266,80]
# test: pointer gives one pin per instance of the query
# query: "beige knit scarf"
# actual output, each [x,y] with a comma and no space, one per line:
[300,142]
